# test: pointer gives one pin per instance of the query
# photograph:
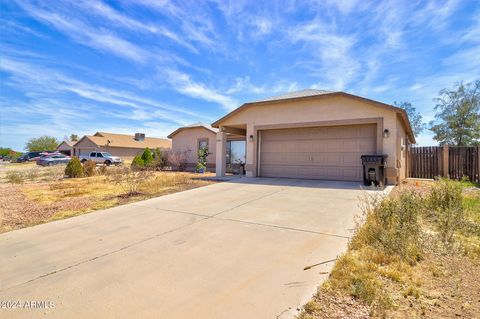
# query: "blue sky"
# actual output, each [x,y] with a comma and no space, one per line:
[144,65]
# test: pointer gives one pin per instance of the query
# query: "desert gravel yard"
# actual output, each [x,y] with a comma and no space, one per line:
[234,249]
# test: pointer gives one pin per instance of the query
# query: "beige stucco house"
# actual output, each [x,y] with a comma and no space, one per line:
[189,139]
[317,135]
[66,147]
[123,145]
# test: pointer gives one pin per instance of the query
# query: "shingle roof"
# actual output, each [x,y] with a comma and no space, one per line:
[296,94]
[194,125]
[127,141]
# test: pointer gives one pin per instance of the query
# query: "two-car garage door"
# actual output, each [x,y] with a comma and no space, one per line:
[331,152]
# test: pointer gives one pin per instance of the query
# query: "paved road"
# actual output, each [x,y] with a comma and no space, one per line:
[230,250]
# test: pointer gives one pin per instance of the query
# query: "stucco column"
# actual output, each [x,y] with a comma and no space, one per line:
[251,167]
[221,154]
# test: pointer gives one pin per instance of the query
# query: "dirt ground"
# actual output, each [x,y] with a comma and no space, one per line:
[41,194]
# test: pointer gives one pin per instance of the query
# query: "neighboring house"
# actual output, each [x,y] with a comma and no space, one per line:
[191,138]
[66,147]
[316,134]
[121,145]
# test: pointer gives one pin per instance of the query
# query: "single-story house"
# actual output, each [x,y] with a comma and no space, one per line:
[191,138]
[66,147]
[316,134]
[121,145]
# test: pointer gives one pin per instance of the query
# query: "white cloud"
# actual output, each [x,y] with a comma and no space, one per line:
[182,83]
[434,14]
[81,32]
[344,6]
[332,57]
[194,23]
[40,83]
[102,10]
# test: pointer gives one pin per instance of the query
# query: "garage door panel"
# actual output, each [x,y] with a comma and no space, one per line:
[320,152]
[352,160]
[302,146]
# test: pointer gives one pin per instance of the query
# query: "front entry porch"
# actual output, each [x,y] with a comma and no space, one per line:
[231,150]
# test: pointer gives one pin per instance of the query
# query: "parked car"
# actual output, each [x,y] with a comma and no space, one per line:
[30,156]
[101,158]
[55,159]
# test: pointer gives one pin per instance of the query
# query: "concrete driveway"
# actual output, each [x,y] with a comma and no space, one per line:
[230,250]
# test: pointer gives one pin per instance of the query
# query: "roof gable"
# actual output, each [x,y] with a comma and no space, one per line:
[195,125]
[316,94]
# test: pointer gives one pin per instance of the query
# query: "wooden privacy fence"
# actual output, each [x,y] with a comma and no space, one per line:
[455,162]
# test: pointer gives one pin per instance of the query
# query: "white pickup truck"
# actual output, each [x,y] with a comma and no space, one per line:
[101,158]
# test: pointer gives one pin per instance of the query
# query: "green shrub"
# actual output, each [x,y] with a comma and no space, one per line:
[392,226]
[201,167]
[137,163]
[89,168]
[74,168]
[445,208]
[147,157]
[160,158]
[202,159]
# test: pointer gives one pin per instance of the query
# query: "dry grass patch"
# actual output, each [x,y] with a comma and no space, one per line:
[37,201]
[414,254]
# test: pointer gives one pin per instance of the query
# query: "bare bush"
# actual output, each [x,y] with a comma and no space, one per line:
[129,181]
[89,168]
[178,160]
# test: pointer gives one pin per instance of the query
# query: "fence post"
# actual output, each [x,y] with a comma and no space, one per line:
[478,164]
[445,161]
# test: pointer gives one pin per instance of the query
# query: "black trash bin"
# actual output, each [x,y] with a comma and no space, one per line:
[374,169]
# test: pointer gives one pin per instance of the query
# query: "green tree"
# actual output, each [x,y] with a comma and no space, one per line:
[42,143]
[414,117]
[147,157]
[5,151]
[73,137]
[457,120]
[74,168]
[137,163]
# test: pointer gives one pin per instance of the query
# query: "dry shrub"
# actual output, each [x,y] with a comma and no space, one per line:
[15,177]
[31,174]
[445,208]
[130,181]
[178,160]
[392,226]
[103,170]
[52,173]
[385,245]
[89,168]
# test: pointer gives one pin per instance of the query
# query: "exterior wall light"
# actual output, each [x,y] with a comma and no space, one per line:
[386,133]
[250,138]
